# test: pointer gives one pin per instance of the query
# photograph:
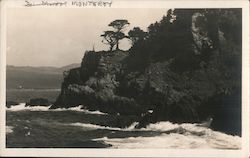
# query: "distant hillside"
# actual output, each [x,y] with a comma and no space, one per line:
[35,77]
[68,67]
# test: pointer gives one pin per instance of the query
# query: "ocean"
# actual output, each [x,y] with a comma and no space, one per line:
[41,127]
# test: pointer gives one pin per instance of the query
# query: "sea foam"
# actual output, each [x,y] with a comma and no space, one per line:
[21,107]
[191,136]
[88,126]
[170,135]
[80,108]
[9,129]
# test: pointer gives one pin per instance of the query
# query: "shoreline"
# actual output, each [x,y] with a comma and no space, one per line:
[31,89]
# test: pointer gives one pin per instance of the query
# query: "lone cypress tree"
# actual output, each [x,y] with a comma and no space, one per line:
[112,38]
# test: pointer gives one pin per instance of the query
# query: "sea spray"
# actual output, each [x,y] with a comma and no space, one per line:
[9,129]
[79,108]
[88,126]
[191,136]
[22,107]
[155,135]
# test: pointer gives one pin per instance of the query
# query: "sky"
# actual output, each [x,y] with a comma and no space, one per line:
[59,37]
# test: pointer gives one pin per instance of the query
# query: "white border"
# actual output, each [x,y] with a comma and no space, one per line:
[48,152]
[2,77]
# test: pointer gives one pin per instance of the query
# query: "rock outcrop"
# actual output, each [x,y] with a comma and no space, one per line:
[11,103]
[194,75]
[38,102]
[95,85]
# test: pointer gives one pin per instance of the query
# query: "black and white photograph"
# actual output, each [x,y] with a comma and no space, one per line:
[95,76]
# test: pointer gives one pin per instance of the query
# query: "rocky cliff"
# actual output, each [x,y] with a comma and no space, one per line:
[95,85]
[186,70]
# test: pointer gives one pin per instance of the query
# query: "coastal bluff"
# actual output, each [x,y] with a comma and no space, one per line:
[189,75]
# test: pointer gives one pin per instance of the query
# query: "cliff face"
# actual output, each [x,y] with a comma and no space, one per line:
[192,73]
[95,85]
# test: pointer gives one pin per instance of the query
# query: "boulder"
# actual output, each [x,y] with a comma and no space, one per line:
[38,102]
[11,103]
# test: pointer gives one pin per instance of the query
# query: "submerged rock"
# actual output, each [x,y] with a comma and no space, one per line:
[38,102]
[11,103]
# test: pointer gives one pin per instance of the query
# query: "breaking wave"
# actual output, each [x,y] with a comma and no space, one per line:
[22,106]
[88,126]
[156,135]
[9,129]
[79,108]
[180,136]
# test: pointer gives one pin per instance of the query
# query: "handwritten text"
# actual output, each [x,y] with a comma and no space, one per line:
[66,3]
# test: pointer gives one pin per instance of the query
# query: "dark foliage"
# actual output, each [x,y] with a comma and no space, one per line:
[112,38]
[183,65]
[136,35]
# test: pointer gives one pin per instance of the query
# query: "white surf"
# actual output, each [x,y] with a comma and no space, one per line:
[9,129]
[191,136]
[180,136]
[21,107]
[88,126]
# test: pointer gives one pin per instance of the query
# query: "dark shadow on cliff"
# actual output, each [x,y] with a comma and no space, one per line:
[186,68]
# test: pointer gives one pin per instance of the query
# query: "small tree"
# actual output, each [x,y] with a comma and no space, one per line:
[119,25]
[112,38]
[136,35]
[109,38]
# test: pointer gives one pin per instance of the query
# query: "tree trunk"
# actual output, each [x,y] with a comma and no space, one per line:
[111,47]
[117,45]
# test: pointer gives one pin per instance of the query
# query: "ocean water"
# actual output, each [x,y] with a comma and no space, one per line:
[41,127]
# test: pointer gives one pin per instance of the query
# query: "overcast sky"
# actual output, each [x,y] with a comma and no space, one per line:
[58,37]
